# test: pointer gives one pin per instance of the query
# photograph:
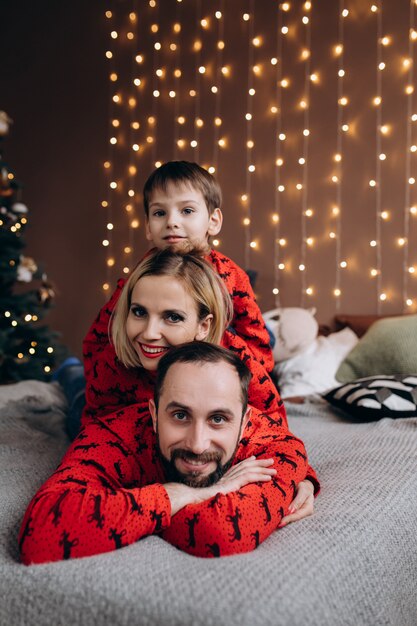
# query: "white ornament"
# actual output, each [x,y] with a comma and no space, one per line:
[19,207]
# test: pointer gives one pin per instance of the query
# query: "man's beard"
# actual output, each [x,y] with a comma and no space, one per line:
[195,479]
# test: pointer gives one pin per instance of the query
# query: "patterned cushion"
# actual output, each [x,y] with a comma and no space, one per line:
[376,397]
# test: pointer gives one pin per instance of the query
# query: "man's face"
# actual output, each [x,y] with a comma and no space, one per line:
[179,218]
[199,421]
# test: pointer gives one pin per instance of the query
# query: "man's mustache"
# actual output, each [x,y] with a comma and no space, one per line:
[188,455]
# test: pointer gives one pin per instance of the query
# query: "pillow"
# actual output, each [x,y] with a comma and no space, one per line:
[376,397]
[388,347]
[313,371]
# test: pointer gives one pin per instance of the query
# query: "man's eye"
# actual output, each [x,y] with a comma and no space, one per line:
[138,311]
[180,416]
[218,419]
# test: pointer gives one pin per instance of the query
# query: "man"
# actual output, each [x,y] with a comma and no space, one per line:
[210,475]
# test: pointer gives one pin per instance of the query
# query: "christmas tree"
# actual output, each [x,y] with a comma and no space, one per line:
[28,349]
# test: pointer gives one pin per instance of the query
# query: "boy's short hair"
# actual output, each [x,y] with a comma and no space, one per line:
[184,173]
[202,352]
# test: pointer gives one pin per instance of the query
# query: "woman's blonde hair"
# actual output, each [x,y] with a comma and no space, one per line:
[201,283]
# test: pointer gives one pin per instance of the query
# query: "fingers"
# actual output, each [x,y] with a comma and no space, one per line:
[305,490]
[250,470]
[305,510]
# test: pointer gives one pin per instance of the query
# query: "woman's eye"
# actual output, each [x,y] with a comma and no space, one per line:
[175,318]
[138,311]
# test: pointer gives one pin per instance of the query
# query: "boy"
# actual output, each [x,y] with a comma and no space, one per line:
[182,208]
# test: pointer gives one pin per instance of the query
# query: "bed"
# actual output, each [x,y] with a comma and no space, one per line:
[353,563]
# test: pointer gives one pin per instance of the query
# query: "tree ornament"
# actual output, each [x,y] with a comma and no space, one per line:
[27,267]
[5,122]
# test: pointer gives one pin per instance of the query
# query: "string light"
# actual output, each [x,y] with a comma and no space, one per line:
[282,82]
[377,183]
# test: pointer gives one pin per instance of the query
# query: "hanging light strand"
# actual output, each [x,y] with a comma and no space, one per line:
[409,139]
[278,61]
[338,210]
[304,163]
[378,179]
[156,87]
[249,139]
[133,145]
[197,96]
[218,86]
[177,78]
[108,241]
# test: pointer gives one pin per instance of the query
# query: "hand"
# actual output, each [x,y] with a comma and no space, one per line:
[302,505]
[251,470]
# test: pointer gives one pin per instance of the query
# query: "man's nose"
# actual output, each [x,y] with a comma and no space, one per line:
[198,438]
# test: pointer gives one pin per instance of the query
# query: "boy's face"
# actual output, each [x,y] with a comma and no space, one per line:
[178,218]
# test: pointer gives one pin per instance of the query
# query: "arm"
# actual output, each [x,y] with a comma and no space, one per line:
[238,521]
[247,318]
[99,499]
[262,393]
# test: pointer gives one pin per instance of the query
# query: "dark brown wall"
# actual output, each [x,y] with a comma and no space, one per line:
[55,85]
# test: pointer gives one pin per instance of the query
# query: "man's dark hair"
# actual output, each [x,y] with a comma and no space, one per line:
[184,173]
[202,352]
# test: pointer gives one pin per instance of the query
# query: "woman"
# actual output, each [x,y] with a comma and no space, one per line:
[171,298]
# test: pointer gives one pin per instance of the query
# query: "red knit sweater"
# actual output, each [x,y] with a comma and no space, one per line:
[108,493]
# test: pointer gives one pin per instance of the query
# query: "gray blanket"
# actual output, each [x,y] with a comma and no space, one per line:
[353,563]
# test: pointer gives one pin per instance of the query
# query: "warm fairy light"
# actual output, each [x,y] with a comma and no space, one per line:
[282,242]
[302,267]
[345,128]
[411,180]
[343,264]
[274,61]
[275,218]
[193,143]
[382,156]
[383,297]
[409,89]
[373,243]
[385,215]
[281,266]
[310,241]
[384,129]
[246,221]
[309,213]
[411,270]
[114,34]
[274,109]
[285,82]
[301,161]
[279,162]
[372,183]
[284,30]
[285,6]
[314,78]
[309,291]
[338,50]
[337,292]
[139,58]
[282,136]
[244,198]
[413,210]
[401,241]
[281,188]
[409,302]
[345,13]
[386,41]
[253,244]
[377,100]
[332,235]
[257,41]
[113,77]
[113,185]
[374,272]
[108,14]
[246,17]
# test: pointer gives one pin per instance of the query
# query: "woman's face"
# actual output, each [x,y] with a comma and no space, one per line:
[162,314]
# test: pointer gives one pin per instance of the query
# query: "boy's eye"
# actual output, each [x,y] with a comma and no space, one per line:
[188,210]
[138,311]
[158,213]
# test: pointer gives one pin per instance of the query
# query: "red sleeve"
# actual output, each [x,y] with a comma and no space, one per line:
[247,318]
[262,393]
[99,499]
[240,521]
